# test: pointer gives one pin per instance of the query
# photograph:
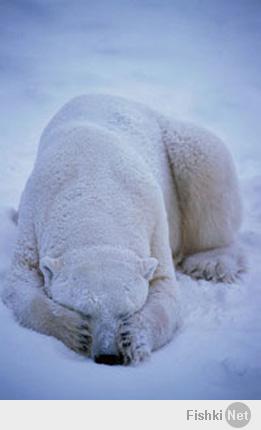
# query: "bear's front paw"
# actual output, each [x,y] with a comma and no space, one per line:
[133,340]
[73,330]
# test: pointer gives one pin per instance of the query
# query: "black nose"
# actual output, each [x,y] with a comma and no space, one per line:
[109,359]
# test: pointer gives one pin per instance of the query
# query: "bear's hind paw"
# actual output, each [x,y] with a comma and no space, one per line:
[217,265]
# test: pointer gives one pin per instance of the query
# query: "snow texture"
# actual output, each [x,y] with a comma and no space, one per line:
[190,60]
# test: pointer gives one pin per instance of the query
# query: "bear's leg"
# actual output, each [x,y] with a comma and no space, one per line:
[154,325]
[209,201]
[23,293]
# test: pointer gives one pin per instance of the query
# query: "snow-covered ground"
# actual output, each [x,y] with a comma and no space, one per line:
[194,59]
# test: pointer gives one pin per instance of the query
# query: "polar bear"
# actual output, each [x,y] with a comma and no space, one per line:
[117,196]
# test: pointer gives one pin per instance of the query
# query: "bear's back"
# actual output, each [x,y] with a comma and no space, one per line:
[112,113]
[133,126]
[133,123]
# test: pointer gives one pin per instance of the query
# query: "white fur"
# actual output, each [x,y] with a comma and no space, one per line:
[115,191]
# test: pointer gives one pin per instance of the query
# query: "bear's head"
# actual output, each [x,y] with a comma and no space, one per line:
[106,284]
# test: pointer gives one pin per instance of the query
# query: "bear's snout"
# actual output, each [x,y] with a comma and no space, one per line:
[104,349]
[110,359]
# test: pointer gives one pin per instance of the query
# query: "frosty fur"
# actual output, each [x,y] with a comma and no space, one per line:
[117,192]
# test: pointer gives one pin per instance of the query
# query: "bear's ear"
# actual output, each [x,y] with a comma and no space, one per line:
[50,266]
[148,267]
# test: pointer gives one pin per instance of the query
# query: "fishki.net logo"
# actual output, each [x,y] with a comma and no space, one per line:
[237,415]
